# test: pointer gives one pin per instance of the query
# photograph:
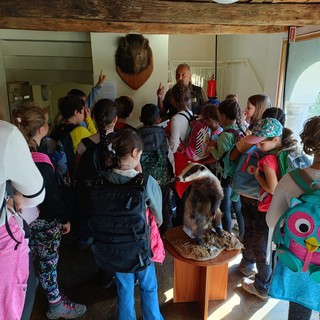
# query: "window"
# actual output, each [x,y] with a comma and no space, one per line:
[300,94]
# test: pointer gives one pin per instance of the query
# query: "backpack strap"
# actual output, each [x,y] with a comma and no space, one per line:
[140,179]
[41,157]
[4,209]
[303,180]
[188,118]
[234,131]
[87,142]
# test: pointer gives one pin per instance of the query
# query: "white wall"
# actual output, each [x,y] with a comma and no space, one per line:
[104,46]
[238,52]
[191,47]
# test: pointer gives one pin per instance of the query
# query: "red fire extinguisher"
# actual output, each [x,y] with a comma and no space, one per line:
[212,87]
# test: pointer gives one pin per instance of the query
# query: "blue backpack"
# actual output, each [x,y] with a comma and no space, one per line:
[244,182]
[297,232]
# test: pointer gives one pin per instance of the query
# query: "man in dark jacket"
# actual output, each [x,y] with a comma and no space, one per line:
[198,97]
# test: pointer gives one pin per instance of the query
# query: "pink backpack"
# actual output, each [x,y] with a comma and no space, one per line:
[197,137]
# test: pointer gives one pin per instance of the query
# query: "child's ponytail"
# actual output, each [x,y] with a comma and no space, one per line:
[287,140]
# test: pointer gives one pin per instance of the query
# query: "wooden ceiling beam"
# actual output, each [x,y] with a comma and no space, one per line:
[132,27]
[155,16]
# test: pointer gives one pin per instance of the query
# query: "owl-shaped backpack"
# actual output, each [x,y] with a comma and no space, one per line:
[297,232]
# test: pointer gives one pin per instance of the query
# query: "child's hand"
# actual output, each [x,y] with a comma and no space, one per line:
[210,145]
[87,112]
[65,228]
[259,174]
[18,201]
[101,79]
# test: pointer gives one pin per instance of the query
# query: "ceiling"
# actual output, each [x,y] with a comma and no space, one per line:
[49,60]
[159,16]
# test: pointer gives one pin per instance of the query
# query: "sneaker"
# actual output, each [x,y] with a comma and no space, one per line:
[248,270]
[65,309]
[248,286]
[236,227]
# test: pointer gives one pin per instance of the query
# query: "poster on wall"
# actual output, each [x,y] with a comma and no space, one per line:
[108,90]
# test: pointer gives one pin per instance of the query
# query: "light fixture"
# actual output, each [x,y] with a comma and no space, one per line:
[225,1]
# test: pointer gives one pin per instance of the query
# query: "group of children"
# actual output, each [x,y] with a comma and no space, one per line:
[125,153]
[125,148]
[263,126]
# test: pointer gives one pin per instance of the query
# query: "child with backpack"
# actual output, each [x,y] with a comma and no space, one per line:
[52,223]
[62,146]
[201,132]
[270,137]
[73,111]
[177,130]
[90,164]
[154,159]
[299,288]
[18,171]
[230,120]
[128,147]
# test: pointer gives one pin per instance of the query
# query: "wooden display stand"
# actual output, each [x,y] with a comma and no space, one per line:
[200,280]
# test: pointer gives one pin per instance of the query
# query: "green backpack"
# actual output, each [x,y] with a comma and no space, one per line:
[156,164]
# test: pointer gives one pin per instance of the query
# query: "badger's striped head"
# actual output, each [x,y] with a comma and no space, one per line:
[194,171]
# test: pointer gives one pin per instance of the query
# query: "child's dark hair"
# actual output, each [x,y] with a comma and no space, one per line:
[104,112]
[232,111]
[77,92]
[231,96]
[288,141]
[150,114]
[210,111]
[275,113]
[125,106]
[69,104]
[123,143]
[29,120]
[310,136]
[181,95]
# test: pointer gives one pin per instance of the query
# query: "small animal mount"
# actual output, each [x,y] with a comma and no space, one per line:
[134,61]
[203,201]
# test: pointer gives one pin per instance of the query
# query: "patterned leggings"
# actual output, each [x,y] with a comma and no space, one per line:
[44,243]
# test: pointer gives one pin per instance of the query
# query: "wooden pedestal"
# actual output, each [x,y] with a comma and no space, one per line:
[200,280]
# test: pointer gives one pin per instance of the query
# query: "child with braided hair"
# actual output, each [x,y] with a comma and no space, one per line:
[90,162]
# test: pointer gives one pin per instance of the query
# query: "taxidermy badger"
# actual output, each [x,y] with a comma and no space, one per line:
[202,204]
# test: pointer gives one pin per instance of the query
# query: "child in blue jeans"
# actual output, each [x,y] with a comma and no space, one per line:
[128,147]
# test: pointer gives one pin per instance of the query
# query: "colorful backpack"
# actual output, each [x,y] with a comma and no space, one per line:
[197,138]
[156,164]
[292,160]
[244,181]
[297,232]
